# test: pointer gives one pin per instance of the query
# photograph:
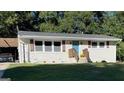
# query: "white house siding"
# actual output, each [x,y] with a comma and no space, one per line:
[49,57]
[20,51]
[99,54]
[52,57]
[23,48]
[96,54]
[44,57]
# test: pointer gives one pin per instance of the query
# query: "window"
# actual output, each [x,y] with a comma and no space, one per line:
[101,44]
[81,42]
[48,46]
[107,43]
[57,46]
[38,46]
[94,44]
[89,44]
[31,45]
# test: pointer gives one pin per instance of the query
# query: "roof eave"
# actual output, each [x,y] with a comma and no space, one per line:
[68,38]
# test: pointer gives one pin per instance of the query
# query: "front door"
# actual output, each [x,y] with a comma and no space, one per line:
[75,45]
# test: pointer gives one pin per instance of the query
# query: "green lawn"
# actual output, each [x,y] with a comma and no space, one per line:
[65,72]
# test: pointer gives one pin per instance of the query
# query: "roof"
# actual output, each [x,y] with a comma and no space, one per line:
[65,36]
[8,42]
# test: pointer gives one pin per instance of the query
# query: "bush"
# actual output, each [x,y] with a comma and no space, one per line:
[90,61]
[120,51]
[103,61]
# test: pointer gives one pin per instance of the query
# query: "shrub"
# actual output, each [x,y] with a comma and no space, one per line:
[90,61]
[103,61]
[120,51]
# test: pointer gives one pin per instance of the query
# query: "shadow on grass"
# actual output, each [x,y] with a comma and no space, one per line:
[68,72]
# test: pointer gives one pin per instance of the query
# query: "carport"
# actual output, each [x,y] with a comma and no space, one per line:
[8,49]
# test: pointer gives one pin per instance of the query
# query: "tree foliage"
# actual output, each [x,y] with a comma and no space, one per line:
[90,22]
[87,22]
[8,20]
[120,51]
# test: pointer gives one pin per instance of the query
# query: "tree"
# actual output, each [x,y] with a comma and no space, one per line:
[67,22]
[96,22]
[25,20]
[120,51]
[8,21]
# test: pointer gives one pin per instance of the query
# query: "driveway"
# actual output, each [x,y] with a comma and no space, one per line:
[3,67]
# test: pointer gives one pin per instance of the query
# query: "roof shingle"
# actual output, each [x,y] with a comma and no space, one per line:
[8,42]
[28,34]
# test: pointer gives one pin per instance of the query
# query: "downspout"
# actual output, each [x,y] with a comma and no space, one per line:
[17,28]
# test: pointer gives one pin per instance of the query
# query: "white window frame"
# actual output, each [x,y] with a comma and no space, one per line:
[107,46]
[93,46]
[43,46]
[60,46]
[51,46]
[104,44]
[35,45]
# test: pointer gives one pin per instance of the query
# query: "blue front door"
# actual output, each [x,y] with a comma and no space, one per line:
[75,45]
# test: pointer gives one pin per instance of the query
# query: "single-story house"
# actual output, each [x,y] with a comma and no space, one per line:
[49,47]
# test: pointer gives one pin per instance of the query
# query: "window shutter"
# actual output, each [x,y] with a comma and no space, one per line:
[31,45]
[107,43]
[89,44]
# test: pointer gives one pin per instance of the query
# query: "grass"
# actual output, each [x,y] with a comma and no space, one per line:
[65,72]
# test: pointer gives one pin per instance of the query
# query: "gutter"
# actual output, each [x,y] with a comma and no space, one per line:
[68,38]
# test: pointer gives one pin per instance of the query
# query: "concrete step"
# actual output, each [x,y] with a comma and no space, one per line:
[82,60]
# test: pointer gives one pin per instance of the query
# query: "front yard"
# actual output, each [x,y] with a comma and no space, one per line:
[65,72]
